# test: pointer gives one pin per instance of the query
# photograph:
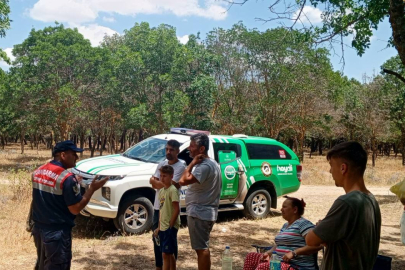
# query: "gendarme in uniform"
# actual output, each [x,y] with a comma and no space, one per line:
[54,189]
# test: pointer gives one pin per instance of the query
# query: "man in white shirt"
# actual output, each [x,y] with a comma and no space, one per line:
[172,150]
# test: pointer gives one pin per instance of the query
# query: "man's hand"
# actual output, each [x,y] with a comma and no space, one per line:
[153,179]
[156,232]
[156,183]
[97,184]
[198,159]
[288,256]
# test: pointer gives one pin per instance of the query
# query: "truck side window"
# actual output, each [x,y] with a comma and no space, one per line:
[185,155]
[266,151]
[227,146]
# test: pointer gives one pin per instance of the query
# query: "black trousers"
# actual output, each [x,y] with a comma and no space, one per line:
[54,248]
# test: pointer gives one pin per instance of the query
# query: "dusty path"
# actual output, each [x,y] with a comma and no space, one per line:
[96,247]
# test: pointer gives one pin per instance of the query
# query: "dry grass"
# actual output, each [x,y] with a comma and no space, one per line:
[387,171]
[97,245]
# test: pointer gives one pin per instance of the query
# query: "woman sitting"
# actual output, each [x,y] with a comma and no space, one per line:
[290,241]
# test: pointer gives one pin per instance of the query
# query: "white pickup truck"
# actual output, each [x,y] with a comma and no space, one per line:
[255,171]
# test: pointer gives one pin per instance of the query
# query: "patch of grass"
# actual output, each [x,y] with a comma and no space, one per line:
[388,171]
[98,245]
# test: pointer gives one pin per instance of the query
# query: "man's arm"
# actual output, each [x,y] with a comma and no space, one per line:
[312,240]
[156,184]
[95,185]
[177,185]
[188,178]
[175,214]
[306,250]
[333,227]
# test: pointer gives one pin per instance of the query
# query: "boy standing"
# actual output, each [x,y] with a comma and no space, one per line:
[169,221]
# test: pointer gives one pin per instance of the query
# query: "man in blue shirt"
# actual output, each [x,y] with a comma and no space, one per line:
[56,202]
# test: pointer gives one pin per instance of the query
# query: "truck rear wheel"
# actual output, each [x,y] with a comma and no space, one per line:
[257,204]
[134,216]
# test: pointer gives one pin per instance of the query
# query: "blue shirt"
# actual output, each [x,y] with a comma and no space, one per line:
[50,211]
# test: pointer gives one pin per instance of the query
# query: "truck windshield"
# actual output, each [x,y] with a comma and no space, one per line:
[148,150]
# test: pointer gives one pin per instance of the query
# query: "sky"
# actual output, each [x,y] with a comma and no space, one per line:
[96,18]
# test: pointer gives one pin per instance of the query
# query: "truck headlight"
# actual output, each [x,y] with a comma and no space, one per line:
[114,177]
[106,193]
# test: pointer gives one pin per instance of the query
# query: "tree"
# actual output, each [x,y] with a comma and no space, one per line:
[396,89]
[4,25]
[344,18]
[52,67]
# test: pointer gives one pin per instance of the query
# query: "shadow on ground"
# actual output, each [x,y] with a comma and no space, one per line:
[96,227]
[110,260]
[93,227]
[398,262]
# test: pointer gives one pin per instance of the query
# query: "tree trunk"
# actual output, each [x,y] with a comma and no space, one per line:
[90,146]
[397,21]
[140,135]
[124,134]
[312,147]
[51,143]
[111,144]
[94,146]
[82,139]
[320,146]
[102,145]
[374,150]
[22,134]
[2,142]
[395,149]
[32,142]
[403,146]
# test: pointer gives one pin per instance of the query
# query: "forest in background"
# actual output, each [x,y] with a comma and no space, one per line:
[275,83]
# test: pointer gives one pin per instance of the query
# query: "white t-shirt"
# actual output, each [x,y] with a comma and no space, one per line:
[178,168]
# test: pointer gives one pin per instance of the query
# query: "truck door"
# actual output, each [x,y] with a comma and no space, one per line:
[230,176]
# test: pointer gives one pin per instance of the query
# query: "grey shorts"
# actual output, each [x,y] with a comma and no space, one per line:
[199,231]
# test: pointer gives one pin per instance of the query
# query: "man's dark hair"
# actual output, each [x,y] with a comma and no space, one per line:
[352,153]
[167,169]
[300,204]
[173,143]
[201,139]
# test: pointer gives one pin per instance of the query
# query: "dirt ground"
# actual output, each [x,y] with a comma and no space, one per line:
[97,245]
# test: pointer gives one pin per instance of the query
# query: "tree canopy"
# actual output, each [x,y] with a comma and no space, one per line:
[275,83]
[4,25]
[340,19]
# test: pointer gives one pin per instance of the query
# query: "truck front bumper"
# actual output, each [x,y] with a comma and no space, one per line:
[101,209]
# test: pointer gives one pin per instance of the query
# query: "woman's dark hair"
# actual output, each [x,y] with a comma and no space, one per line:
[300,204]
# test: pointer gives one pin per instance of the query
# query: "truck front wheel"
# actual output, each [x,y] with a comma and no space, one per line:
[134,216]
[257,204]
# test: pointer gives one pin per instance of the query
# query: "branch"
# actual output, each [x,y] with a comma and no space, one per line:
[299,14]
[399,76]
[333,34]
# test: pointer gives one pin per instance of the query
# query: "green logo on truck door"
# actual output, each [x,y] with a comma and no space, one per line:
[230,172]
